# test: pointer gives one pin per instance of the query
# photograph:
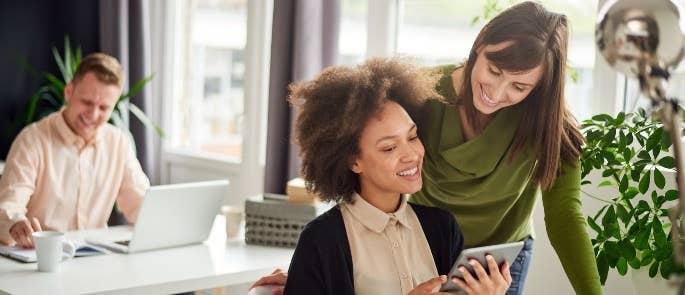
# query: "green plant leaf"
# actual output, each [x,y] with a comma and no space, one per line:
[672,195]
[659,235]
[634,263]
[644,155]
[143,118]
[60,64]
[630,193]
[654,269]
[622,266]
[137,87]
[606,183]
[627,249]
[659,179]
[602,267]
[667,162]
[603,118]
[647,258]
[623,214]
[644,183]
[594,225]
[623,185]
[611,227]
[612,250]
[642,239]
[654,139]
[667,267]
[665,140]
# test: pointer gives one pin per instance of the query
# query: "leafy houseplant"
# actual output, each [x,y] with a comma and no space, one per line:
[49,97]
[633,228]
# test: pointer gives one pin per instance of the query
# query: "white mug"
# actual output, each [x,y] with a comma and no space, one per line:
[51,249]
[234,220]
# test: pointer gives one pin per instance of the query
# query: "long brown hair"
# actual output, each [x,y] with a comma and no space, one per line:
[538,36]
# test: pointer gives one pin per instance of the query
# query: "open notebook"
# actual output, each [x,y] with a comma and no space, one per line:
[29,255]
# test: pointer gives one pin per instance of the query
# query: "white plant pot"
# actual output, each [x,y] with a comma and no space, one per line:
[644,285]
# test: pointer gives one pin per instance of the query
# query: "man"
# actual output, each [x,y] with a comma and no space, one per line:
[65,171]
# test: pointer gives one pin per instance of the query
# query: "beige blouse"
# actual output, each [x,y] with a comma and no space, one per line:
[390,253]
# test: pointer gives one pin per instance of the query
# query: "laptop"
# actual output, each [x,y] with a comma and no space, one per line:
[171,216]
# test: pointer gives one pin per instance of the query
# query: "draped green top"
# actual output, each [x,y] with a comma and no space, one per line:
[492,195]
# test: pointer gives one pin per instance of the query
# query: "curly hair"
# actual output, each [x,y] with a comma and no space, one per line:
[333,109]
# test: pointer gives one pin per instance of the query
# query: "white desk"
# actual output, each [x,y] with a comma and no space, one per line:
[216,263]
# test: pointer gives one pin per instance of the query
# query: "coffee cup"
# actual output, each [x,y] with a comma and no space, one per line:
[51,249]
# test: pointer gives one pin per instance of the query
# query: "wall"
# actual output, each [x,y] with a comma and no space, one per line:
[28,28]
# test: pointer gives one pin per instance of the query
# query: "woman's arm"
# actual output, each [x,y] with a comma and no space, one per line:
[567,231]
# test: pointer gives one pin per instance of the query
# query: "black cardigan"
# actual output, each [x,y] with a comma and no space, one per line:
[322,263]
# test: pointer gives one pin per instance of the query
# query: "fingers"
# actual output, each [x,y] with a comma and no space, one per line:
[462,284]
[277,291]
[432,283]
[36,224]
[276,271]
[492,264]
[468,278]
[506,273]
[21,233]
[277,277]
[478,268]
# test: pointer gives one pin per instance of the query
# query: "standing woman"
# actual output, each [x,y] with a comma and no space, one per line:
[504,136]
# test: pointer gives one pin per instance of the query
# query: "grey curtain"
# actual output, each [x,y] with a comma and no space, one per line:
[125,34]
[304,42]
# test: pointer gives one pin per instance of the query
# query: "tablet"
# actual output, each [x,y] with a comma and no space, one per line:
[501,253]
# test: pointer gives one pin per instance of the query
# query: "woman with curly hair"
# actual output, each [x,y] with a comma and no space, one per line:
[503,137]
[360,149]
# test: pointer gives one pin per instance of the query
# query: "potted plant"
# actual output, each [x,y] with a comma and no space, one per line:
[631,152]
[49,97]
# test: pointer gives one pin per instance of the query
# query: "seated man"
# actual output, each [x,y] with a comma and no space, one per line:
[65,171]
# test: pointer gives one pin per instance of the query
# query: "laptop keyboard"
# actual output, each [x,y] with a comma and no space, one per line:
[125,243]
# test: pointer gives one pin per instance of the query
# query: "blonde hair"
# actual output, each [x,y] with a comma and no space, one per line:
[106,69]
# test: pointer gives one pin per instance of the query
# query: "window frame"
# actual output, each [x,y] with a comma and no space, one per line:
[246,174]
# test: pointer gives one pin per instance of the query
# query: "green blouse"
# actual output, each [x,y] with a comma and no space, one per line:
[492,194]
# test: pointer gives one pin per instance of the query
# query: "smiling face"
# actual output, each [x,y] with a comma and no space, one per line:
[391,154]
[89,105]
[494,88]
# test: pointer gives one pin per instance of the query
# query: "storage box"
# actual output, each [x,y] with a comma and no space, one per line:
[271,220]
[297,192]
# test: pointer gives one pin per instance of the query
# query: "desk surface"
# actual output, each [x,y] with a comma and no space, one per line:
[215,263]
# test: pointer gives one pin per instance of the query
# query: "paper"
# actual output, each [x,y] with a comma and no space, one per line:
[29,255]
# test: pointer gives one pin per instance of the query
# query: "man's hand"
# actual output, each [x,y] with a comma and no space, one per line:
[22,231]
[277,278]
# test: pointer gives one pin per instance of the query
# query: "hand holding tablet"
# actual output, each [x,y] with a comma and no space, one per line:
[500,253]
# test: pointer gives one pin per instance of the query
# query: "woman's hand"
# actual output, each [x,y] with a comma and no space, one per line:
[496,283]
[427,287]
[277,278]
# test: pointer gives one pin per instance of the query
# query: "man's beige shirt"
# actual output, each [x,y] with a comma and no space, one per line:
[390,253]
[66,183]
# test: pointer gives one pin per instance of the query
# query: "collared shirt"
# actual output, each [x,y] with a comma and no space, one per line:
[390,252]
[54,175]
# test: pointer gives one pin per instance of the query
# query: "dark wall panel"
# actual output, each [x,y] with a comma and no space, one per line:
[28,29]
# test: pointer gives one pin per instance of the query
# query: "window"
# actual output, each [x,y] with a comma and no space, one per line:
[208,113]
[353,33]
[213,75]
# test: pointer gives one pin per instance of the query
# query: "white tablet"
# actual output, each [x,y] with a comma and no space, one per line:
[501,253]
